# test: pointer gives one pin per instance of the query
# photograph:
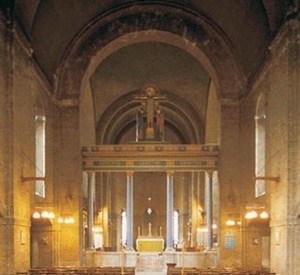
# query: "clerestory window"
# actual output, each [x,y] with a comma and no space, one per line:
[260,145]
[40,155]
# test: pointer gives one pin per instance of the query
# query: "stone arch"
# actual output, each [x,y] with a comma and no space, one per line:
[122,114]
[185,29]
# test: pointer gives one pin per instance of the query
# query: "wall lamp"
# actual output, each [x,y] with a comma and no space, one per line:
[66,220]
[256,211]
[44,214]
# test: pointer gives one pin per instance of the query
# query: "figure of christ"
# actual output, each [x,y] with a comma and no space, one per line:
[150,112]
[150,107]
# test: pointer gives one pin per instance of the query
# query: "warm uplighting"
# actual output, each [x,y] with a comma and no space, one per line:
[202,229]
[70,220]
[66,220]
[36,215]
[264,215]
[251,215]
[97,229]
[230,223]
[43,214]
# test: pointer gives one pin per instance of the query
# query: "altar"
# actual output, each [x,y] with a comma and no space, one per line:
[150,244]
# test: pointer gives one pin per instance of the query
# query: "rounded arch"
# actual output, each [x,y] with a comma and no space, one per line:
[121,115]
[192,32]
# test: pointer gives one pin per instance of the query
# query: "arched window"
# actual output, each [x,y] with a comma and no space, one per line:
[260,145]
[40,154]
[176,227]
[123,227]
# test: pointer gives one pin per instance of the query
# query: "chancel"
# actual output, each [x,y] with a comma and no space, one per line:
[149,137]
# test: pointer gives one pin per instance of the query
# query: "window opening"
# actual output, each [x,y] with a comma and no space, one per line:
[260,145]
[176,227]
[40,155]
[124,227]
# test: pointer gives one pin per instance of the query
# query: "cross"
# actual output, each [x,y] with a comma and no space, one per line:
[150,107]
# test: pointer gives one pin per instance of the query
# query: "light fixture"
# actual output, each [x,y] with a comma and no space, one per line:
[264,215]
[230,222]
[70,220]
[44,214]
[256,211]
[201,229]
[36,215]
[251,215]
[97,229]
[66,220]
[232,219]
[51,215]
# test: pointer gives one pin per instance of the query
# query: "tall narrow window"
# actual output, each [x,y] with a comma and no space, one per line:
[123,227]
[260,145]
[40,155]
[176,227]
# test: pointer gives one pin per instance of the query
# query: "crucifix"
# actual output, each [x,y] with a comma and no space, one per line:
[150,108]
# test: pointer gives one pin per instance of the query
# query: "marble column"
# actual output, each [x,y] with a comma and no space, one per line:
[209,210]
[90,202]
[129,211]
[170,179]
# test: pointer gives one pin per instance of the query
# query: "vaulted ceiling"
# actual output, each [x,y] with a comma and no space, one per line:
[117,47]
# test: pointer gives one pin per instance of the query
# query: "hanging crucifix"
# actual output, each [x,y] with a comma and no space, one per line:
[154,128]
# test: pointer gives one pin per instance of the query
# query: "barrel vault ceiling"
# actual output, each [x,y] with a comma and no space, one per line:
[115,48]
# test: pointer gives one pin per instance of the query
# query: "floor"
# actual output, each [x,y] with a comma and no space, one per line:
[150,264]
[150,273]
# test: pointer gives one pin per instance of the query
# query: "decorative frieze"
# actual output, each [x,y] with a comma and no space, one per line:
[150,157]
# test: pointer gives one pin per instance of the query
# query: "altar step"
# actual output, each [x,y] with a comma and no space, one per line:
[150,273]
[150,264]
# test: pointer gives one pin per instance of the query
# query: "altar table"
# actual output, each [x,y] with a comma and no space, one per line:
[149,244]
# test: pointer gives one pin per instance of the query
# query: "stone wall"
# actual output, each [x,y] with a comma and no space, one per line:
[24,94]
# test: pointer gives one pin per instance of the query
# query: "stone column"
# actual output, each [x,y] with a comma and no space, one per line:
[129,210]
[229,170]
[170,179]
[91,182]
[209,210]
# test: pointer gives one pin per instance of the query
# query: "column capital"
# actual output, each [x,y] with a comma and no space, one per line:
[209,173]
[170,173]
[90,173]
[130,173]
